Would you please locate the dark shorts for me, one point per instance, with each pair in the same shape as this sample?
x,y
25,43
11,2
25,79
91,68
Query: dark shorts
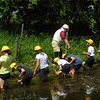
x,y
77,67
5,76
26,80
43,73
66,68
90,61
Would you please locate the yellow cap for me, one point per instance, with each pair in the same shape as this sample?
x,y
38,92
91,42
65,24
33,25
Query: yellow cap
x,y
37,48
63,55
5,48
56,59
12,65
90,41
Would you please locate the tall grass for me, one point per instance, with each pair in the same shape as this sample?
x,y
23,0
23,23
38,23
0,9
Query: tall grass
x,y
27,43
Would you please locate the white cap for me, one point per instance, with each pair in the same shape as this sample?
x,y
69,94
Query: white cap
x,y
65,26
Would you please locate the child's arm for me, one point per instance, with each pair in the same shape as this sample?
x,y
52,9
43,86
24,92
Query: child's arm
x,y
72,60
48,62
86,53
36,67
21,73
0,64
59,71
60,68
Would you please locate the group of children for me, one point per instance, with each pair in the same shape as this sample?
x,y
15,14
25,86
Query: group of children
x,y
67,60
25,72
42,65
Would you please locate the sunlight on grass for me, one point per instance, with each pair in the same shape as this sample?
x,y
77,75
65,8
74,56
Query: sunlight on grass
x,y
27,43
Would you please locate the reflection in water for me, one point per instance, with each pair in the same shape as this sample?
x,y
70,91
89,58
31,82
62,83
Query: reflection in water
x,y
54,93
58,91
82,88
88,97
43,92
43,98
89,89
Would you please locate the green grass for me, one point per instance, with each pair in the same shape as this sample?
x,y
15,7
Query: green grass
x,y
26,44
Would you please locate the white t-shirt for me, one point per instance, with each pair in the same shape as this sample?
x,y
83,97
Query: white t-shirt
x,y
62,62
91,50
43,60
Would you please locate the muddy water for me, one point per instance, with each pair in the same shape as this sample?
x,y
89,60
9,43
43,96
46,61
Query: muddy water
x,y
86,86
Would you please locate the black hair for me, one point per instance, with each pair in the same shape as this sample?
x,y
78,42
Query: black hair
x,y
8,52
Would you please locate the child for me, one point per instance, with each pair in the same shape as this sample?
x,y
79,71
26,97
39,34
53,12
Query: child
x,y
25,71
5,61
42,65
64,66
73,59
90,60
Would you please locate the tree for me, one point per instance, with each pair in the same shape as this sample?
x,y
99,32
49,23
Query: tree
x,y
47,15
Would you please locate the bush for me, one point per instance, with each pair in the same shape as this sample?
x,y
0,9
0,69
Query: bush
x,y
26,44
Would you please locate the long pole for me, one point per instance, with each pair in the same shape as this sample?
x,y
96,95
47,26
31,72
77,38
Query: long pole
x,y
16,49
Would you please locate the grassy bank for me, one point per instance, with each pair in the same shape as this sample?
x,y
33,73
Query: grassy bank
x,y
26,54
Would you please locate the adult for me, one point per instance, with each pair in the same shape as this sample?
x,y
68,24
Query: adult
x,y
5,61
42,65
59,35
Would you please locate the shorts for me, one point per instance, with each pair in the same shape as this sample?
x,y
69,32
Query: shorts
x,y
43,73
77,67
26,80
5,76
66,68
90,61
56,46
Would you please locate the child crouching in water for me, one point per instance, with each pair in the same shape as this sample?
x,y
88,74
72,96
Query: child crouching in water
x,y
25,71
74,60
64,67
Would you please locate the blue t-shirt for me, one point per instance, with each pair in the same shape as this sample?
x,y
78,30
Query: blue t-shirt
x,y
77,61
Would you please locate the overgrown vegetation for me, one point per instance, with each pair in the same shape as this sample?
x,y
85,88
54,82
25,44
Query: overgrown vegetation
x,y
26,44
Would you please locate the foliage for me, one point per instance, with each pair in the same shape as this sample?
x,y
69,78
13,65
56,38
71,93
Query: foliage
x,y
26,44
46,15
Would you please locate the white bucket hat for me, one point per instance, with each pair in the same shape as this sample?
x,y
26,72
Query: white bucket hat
x,y
65,26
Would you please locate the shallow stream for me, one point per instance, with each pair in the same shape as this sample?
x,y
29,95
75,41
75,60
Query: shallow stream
x,y
86,86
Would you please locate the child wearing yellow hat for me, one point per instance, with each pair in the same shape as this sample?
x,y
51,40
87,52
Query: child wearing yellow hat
x,y
64,66
91,52
42,64
25,71
74,60
5,61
